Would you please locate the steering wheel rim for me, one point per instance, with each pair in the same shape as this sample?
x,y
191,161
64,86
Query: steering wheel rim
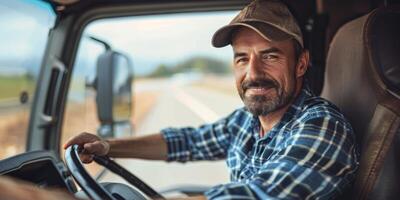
x,y
95,190
82,177
128,176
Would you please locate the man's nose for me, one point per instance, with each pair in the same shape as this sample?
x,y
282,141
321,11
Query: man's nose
x,y
254,69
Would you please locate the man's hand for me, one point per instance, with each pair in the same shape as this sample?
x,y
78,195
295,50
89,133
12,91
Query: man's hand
x,y
12,189
91,144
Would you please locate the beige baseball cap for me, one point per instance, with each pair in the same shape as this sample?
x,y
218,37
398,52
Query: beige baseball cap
x,y
269,18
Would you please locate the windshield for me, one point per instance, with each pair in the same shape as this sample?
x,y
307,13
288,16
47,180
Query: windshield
x,y
23,36
179,80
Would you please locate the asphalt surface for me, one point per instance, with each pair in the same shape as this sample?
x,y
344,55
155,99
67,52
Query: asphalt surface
x,y
180,104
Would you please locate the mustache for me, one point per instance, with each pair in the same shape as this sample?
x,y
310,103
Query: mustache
x,y
264,83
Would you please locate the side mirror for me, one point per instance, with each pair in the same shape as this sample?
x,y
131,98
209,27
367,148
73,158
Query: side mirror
x,y
114,94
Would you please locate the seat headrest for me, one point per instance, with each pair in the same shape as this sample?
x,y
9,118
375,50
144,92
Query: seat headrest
x,y
363,67
383,43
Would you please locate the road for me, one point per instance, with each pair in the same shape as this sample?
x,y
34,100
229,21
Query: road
x,y
180,104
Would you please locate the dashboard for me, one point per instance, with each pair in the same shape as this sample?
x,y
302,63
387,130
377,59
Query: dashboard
x,y
41,168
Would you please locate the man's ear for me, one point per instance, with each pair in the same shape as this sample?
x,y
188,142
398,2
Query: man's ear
x,y
302,63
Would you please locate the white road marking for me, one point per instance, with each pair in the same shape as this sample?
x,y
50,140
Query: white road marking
x,y
200,109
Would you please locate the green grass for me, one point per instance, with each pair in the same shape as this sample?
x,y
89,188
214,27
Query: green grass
x,y
11,87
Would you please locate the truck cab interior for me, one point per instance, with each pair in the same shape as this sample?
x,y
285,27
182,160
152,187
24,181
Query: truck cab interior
x,y
355,63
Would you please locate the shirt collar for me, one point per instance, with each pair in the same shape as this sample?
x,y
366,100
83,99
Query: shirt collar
x,y
293,110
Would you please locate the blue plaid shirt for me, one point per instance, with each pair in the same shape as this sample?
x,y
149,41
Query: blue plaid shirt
x,y
309,154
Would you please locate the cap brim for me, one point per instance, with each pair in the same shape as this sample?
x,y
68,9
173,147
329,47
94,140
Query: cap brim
x,y
223,36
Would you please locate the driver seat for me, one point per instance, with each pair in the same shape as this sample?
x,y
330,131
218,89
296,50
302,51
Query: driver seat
x,y
363,79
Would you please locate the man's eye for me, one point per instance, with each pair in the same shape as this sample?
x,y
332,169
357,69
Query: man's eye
x,y
241,60
270,57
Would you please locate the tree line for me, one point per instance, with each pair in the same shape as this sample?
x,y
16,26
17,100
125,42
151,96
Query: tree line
x,y
199,64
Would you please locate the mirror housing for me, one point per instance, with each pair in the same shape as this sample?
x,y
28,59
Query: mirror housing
x,y
114,93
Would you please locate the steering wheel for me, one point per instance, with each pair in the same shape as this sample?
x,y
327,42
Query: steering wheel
x,y
106,191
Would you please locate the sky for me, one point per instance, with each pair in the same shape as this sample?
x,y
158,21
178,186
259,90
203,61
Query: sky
x,y
23,36
167,39
148,40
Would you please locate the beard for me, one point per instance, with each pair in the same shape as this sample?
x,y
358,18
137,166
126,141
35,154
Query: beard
x,y
264,104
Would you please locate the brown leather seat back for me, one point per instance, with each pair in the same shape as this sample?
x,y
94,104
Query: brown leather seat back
x,y
363,79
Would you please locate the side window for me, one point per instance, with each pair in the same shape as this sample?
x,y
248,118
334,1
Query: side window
x,y
23,36
179,80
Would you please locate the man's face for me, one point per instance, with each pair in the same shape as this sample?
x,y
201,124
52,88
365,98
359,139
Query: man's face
x,y
265,71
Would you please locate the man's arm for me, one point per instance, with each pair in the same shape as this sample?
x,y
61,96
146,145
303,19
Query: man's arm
x,y
208,142
152,147
13,189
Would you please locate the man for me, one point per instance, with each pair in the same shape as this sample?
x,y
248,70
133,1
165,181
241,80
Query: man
x,y
285,144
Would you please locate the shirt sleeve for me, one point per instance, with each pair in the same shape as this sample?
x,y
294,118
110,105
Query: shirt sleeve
x,y
208,142
317,160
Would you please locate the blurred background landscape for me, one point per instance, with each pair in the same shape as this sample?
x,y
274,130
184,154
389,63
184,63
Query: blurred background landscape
x,y
179,80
